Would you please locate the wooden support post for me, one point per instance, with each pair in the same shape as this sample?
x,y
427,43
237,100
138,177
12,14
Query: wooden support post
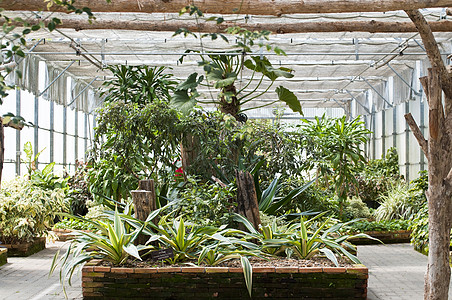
x,y
144,200
247,204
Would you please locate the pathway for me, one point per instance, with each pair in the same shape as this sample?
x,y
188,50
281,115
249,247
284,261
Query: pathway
x,y
27,278
395,272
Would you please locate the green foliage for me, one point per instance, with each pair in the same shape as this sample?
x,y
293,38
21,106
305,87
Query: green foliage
x,y
28,211
205,203
376,177
223,70
271,204
355,208
132,143
314,198
79,193
419,221
333,146
78,224
384,225
138,84
399,203
306,239
419,227
112,241
222,145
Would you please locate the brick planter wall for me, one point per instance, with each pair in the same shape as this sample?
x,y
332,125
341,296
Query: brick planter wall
x,y
223,283
26,249
3,256
387,237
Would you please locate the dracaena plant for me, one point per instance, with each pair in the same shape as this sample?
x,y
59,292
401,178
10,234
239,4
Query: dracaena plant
x,y
112,240
308,238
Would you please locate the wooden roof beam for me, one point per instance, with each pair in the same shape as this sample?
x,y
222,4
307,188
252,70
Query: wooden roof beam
x,y
299,27
253,7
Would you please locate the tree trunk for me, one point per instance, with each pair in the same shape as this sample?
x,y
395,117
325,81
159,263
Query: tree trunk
x,y
253,7
247,204
188,150
2,149
144,203
438,194
439,156
299,27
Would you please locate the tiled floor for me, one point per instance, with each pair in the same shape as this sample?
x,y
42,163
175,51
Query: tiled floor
x,y
395,272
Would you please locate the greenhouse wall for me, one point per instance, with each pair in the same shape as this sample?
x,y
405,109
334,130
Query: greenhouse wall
x,y
400,95
61,133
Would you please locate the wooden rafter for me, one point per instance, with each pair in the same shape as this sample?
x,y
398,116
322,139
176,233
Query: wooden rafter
x,y
299,27
255,7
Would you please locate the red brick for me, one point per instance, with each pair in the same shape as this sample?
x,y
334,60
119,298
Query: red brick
x,y
310,270
87,279
193,270
169,270
145,270
286,269
122,270
235,270
92,294
101,269
217,269
93,274
264,270
87,269
92,284
334,270
358,269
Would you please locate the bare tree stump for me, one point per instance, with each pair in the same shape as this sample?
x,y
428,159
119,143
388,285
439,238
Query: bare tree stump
x,y
247,204
144,200
188,150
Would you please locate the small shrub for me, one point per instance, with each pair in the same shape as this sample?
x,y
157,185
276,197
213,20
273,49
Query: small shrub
x,y
355,208
399,203
28,211
205,203
390,225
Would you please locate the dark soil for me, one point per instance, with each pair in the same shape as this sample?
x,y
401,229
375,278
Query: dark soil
x,y
255,262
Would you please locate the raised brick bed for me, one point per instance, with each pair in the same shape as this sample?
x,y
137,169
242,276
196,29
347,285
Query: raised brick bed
x,y
3,256
387,237
63,234
26,249
101,282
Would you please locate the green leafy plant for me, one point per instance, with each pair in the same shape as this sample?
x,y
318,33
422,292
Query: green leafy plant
x,y
376,177
355,208
185,240
28,211
269,203
384,225
112,241
138,84
398,203
70,223
133,143
205,203
79,190
306,239
334,147
223,69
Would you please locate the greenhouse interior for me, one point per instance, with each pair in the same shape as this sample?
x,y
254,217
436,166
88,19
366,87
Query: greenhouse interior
x,y
243,135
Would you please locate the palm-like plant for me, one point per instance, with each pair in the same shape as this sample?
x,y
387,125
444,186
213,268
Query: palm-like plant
x,y
305,239
113,241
